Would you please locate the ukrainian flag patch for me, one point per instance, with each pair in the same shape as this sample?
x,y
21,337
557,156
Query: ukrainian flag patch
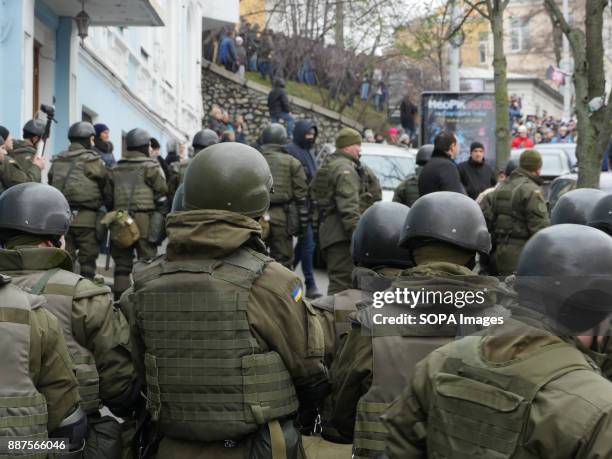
x,y
297,294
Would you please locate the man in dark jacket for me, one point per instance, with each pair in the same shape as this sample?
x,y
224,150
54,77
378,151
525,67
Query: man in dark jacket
x,y
278,105
476,175
440,173
103,146
304,138
227,52
408,112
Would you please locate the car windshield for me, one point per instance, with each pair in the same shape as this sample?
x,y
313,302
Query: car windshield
x,y
390,170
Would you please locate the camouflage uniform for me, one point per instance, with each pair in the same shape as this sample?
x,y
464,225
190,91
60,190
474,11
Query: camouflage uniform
x,y
18,167
82,177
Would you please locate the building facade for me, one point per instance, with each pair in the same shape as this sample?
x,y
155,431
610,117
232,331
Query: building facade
x,y
140,65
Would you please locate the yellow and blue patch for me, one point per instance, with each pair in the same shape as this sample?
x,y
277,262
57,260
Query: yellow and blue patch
x,y
297,294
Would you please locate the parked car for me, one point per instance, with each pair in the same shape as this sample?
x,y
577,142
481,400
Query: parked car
x,y
391,165
565,183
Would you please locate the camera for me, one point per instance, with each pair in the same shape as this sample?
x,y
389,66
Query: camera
x,y
48,110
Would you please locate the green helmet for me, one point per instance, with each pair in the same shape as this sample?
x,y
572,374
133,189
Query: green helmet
x,y
34,208
178,204
203,139
377,234
424,154
274,133
137,138
229,176
575,206
564,270
448,217
600,216
81,130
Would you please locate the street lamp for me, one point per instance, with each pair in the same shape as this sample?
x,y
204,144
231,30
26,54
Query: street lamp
x,y
82,21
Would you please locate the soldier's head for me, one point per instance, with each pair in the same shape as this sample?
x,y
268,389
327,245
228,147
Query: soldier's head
x,y
575,206
274,134
33,131
229,176
348,141
600,216
445,226
204,139
531,161
82,133
446,143
138,140
564,273
375,240
172,147
33,214
155,147
8,139
424,154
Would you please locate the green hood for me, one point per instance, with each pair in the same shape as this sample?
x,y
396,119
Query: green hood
x,y
210,234
34,259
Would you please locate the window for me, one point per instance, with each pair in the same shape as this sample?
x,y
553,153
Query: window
x,y
483,47
519,34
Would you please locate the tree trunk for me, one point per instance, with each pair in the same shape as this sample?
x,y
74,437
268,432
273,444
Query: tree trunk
x,y
339,23
502,134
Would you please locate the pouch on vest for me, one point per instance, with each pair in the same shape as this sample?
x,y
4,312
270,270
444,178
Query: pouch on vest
x,y
264,222
123,229
103,438
293,219
157,228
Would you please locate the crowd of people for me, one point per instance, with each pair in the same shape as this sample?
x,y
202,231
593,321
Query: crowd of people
x,y
531,130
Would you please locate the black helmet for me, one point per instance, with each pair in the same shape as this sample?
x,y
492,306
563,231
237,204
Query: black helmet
x,y
424,154
229,176
34,208
137,138
81,130
34,128
448,217
274,133
377,234
565,269
600,216
510,166
575,206
178,203
204,138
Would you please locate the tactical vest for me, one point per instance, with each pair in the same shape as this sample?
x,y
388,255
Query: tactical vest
x,y
477,410
180,169
510,222
394,359
207,378
131,190
70,177
280,167
23,410
58,287
322,186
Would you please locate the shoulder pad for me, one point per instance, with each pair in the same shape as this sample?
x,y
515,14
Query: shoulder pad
x,y
325,302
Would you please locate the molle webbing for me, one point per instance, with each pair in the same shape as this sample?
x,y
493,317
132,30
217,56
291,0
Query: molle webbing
x,y
207,378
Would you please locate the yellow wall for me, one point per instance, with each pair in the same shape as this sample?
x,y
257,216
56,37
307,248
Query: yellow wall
x,y
470,50
254,11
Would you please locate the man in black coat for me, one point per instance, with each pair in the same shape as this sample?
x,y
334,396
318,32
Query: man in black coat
x,y
304,137
441,173
476,175
278,105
